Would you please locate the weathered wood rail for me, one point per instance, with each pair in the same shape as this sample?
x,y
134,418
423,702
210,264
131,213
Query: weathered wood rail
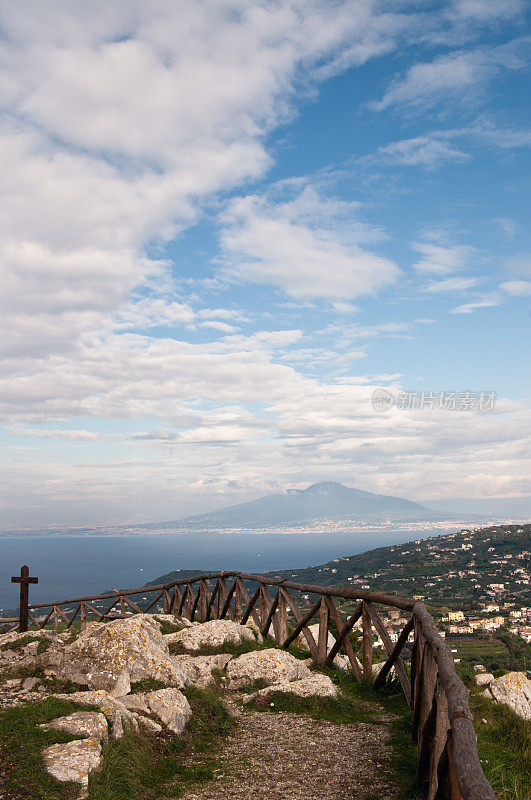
x,y
447,759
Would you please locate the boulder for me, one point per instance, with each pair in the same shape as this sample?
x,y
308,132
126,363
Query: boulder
x,y
179,622
169,705
80,723
315,686
514,690
29,684
269,666
483,678
74,761
115,711
215,633
110,655
198,669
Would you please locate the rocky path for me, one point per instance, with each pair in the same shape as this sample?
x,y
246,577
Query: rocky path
x,y
293,757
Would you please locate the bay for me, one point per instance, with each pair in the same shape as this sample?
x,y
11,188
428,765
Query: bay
x,y
73,566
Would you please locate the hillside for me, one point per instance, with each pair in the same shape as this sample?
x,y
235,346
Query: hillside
x,y
320,501
453,570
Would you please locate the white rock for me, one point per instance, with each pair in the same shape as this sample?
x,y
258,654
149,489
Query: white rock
x,y
104,652
514,690
122,685
31,649
271,666
215,633
118,715
80,723
479,668
483,678
29,684
169,705
198,669
180,622
73,761
315,686
148,723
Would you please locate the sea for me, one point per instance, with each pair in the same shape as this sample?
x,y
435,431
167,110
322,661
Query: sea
x,y
75,566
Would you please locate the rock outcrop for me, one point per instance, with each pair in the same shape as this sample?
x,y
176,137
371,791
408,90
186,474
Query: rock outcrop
x,y
315,686
80,723
114,710
199,669
169,705
270,666
74,761
484,678
111,655
215,633
514,690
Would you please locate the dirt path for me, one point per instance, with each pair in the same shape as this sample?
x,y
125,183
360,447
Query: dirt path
x,y
293,757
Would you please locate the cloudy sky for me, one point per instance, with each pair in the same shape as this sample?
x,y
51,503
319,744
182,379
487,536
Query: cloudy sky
x,y
225,223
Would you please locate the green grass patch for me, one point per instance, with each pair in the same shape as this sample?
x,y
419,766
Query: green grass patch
x,y
142,767
50,683
147,685
169,627
21,746
18,644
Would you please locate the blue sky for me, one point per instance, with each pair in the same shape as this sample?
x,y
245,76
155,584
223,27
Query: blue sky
x,y
226,224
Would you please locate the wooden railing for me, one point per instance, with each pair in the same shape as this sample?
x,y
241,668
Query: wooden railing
x,y
447,759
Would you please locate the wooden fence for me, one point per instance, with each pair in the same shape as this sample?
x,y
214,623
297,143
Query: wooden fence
x,y
447,759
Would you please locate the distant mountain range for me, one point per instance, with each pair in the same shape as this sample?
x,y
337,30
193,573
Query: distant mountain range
x,y
317,503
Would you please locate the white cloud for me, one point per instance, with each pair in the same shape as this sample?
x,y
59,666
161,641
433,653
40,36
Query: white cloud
x,y
298,247
429,151
486,301
451,285
457,76
485,10
443,260
58,433
517,288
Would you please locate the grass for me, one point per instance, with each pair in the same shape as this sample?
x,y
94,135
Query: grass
x,y
18,644
504,746
147,685
141,767
169,627
21,744
51,683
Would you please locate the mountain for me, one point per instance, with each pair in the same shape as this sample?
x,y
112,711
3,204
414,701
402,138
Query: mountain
x,y
319,502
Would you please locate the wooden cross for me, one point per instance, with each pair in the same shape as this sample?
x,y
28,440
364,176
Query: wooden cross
x,y
24,581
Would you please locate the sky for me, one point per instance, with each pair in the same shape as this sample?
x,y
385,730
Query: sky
x,y
226,225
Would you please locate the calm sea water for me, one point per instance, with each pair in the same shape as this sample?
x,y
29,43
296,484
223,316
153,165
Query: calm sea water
x,y
72,566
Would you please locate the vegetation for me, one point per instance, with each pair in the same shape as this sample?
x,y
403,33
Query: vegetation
x,y
147,685
407,568
21,745
18,644
498,653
